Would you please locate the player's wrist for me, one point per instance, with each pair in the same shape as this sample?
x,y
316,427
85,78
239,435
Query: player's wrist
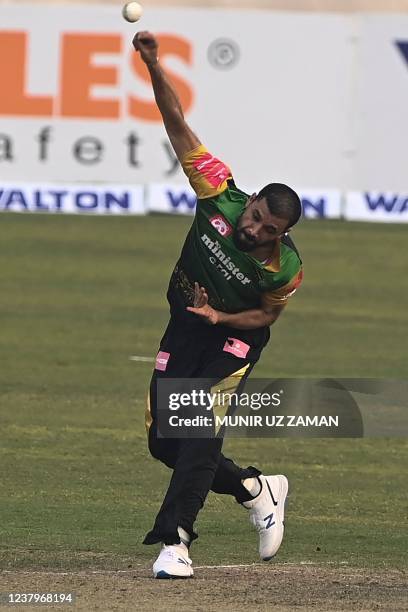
x,y
152,63
219,317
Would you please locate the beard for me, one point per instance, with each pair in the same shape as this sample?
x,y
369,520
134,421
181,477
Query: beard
x,y
242,241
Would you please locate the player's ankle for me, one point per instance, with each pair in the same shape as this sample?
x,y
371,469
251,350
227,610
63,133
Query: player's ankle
x,y
253,486
184,536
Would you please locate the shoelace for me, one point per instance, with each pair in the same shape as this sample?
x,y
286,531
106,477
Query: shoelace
x,y
170,552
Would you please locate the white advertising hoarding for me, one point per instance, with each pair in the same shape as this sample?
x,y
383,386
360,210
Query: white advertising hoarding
x,y
321,204
388,207
379,159
74,198
312,99
180,199
78,105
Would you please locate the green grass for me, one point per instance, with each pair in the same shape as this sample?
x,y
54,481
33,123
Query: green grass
x,y
77,486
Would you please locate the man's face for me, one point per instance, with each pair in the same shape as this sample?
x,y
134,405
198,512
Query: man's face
x,y
257,226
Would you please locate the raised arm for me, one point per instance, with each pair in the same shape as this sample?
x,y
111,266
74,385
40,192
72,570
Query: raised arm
x,y
180,135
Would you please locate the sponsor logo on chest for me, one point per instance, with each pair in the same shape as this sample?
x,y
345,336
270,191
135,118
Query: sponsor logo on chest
x,y
223,262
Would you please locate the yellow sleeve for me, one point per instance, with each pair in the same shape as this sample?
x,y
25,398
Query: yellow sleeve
x,y
279,297
208,175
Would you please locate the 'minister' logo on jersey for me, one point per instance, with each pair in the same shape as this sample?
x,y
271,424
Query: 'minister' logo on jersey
x,y
221,225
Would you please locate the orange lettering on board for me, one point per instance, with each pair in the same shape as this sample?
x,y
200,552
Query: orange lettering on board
x,y
168,45
13,66
79,75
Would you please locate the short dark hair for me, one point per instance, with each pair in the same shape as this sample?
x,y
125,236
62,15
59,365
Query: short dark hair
x,y
282,201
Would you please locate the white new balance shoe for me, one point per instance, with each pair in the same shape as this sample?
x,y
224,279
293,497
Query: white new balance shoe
x,y
267,512
173,562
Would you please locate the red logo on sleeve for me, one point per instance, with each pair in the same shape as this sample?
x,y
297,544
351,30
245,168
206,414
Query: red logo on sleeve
x,y
214,170
221,225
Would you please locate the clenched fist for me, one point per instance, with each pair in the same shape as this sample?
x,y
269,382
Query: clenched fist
x,y
147,45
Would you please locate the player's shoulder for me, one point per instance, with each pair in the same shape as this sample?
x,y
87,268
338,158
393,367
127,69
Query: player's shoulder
x,y
290,259
290,264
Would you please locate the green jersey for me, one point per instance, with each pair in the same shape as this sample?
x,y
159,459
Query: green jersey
x,y
234,280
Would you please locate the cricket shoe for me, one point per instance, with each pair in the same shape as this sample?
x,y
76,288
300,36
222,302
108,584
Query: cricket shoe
x,y
173,562
266,513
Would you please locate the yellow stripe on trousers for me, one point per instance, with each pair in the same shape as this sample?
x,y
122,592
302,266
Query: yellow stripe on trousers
x,y
148,414
226,386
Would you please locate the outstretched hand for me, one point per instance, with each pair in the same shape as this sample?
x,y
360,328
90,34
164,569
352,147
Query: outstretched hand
x,y
146,43
201,306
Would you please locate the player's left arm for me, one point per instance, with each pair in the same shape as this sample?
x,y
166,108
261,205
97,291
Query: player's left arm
x,y
247,319
251,319
272,305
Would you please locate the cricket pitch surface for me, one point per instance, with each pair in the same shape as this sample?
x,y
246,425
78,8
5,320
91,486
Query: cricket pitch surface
x,y
278,587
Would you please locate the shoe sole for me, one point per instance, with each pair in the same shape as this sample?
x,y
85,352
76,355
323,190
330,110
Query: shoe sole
x,y
283,492
162,575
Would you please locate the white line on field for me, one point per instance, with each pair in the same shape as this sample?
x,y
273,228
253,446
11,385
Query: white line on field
x,y
249,565
227,566
129,571
141,358
78,573
280,566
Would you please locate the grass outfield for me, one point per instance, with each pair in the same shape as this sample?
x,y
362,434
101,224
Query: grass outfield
x,y
79,295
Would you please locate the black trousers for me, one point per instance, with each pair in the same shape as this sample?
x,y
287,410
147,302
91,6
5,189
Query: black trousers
x,y
191,349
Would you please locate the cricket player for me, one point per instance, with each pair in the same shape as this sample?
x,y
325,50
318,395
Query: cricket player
x,y
236,271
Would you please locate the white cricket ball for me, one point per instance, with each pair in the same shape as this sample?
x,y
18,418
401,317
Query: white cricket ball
x,y
132,11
